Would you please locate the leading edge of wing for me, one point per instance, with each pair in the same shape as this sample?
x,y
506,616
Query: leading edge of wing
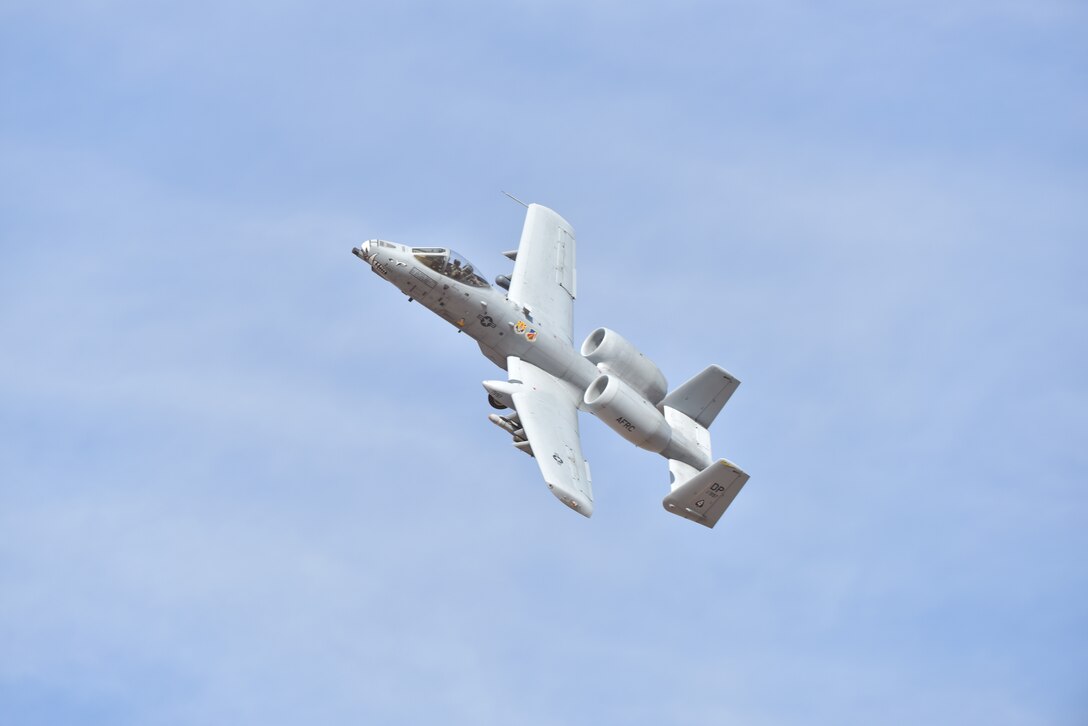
x,y
548,412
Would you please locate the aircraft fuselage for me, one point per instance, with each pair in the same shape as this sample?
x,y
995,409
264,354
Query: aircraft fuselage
x,y
478,309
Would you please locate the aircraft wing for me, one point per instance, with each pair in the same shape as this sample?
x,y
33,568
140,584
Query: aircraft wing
x,y
544,276
548,410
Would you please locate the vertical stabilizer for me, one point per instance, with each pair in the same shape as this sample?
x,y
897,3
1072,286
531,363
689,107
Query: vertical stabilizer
x,y
705,497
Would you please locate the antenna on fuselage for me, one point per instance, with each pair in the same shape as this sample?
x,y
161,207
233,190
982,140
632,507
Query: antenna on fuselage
x,y
516,199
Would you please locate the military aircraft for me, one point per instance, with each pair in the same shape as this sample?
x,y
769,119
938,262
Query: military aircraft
x,y
524,325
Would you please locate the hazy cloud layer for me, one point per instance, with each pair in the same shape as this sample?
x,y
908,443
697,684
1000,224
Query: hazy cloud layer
x,y
241,480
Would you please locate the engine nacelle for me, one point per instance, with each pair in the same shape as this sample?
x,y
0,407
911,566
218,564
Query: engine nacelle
x,y
627,413
613,354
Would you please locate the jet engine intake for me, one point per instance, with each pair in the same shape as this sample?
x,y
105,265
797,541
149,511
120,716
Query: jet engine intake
x,y
627,413
613,354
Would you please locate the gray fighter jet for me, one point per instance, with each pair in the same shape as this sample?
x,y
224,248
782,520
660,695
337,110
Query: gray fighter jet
x,y
524,325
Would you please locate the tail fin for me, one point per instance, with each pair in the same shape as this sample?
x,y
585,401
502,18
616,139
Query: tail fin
x,y
704,497
701,495
702,398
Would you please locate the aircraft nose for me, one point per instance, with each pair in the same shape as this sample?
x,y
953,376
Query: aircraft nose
x,y
363,251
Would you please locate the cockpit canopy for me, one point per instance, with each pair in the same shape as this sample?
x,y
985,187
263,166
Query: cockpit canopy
x,y
450,264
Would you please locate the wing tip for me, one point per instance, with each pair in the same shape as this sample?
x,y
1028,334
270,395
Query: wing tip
x,y
573,500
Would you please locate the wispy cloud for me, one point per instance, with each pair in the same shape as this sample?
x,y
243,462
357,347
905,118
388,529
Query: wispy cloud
x,y
241,479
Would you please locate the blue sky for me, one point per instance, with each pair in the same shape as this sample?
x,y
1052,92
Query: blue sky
x,y
242,481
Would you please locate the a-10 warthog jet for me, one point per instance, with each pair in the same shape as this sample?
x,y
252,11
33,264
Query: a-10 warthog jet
x,y
524,326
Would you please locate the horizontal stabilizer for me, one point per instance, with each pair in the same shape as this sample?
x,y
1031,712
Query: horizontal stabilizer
x,y
703,397
706,496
